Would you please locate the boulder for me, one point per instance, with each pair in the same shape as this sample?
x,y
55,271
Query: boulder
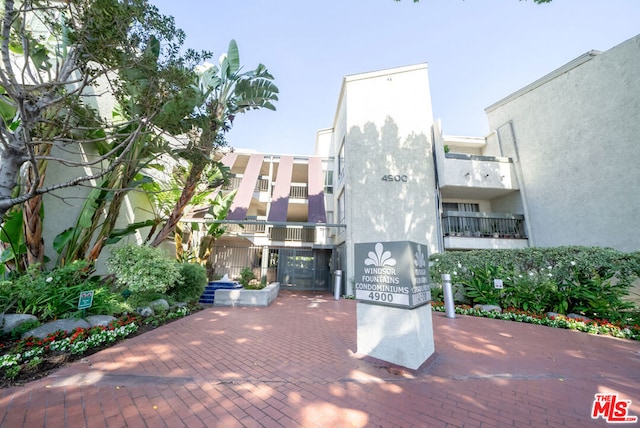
x,y
53,326
160,304
579,317
9,322
103,320
145,311
488,308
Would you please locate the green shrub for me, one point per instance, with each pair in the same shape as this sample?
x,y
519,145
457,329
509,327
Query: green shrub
x,y
17,332
437,294
141,268
144,298
246,275
531,293
587,280
194,280
479,285
55,294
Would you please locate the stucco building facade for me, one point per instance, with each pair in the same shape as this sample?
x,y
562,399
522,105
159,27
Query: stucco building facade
x,y
557,168
573,136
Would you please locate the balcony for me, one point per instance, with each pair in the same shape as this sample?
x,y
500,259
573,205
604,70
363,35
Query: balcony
x,y
267,234
299,192
262,185
468,176
298,234
464,230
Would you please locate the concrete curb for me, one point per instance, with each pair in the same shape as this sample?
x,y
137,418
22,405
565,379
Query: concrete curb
x,y
242,297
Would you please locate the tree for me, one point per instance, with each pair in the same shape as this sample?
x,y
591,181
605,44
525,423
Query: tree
x,y
535,1
57,59
225,92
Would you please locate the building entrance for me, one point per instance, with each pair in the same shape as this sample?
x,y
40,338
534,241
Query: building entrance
x,y
304,269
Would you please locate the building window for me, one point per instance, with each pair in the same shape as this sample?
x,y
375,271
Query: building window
x,y
341,161
455,206
341,208
328,182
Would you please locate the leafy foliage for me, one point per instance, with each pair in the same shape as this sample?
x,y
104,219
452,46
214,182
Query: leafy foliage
x,y
586,280
246,276
535,1
194,280
223,91
142,268
55,294
479,286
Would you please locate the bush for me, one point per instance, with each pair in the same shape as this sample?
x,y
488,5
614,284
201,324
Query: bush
x,y
584,280
55,294
246,275
194,280
17,332
140,268
144,298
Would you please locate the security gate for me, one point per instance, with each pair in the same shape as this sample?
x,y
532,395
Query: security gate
x,y
304,269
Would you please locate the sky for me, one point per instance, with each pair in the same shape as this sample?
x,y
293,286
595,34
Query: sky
x,y
477,51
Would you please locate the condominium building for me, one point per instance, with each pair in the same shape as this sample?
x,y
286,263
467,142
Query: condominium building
x,y
559,167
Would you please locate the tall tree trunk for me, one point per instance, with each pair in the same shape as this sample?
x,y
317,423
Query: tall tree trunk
x,y
178,211
13,157
107,227
32,225
32,221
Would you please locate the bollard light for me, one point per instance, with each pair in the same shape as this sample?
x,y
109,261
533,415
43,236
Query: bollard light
x,y
449,308
337,284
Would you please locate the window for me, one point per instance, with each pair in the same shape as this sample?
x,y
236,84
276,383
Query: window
x,y
341,161
341,208
458,223
455,206
328,182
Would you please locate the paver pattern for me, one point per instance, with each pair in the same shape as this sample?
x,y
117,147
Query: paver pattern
x,y
294,364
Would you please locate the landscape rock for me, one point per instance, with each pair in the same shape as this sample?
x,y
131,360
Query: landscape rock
x,y
10,322
161,304
579,317
103,320
53,326
488,308
145,311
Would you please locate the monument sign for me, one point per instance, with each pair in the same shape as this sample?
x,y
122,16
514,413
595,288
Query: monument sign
x,y
392,274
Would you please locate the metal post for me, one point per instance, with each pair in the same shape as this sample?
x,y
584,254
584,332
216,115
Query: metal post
x,y
264,267
448,296
337,283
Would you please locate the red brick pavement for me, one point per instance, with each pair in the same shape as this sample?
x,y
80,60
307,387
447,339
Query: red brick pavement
x,y
294,365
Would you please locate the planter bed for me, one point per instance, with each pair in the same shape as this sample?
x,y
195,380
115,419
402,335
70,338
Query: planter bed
x,y
242,297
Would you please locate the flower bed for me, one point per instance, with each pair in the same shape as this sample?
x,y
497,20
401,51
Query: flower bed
x,y
32,358
595,326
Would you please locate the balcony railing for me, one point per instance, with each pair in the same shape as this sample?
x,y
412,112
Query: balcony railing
x,y
299,192
262,185
483,225
246,228
300,234
276,233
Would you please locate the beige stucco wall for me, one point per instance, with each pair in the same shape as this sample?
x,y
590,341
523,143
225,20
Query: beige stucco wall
x,y
574,138
63,206
385,118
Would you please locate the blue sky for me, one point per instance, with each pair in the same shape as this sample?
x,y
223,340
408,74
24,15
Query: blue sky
x,y
478,51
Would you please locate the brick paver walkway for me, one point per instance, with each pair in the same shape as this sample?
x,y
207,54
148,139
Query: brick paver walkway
x,y
294,365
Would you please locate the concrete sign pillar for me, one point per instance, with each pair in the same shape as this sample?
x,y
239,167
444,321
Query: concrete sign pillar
x,y
394,311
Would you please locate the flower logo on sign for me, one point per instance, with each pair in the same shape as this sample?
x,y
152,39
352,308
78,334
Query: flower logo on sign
x,y
380,257
419,260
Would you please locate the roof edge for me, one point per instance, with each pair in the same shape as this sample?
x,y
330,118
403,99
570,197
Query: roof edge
x,y
545,79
